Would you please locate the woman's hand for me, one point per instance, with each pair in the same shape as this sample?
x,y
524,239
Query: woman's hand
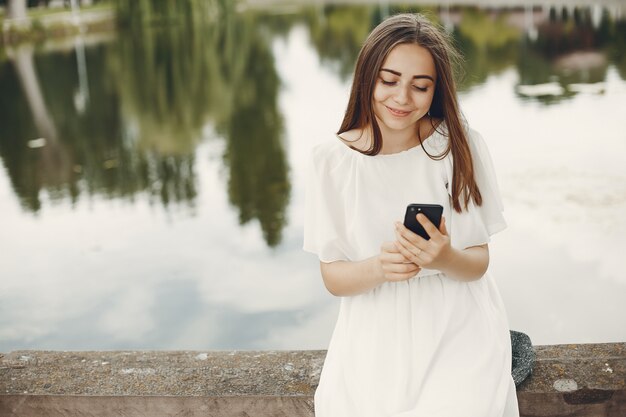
x,y
436,253
394,266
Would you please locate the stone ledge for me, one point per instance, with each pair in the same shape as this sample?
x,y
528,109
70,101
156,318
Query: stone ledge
x,y
180,373
154,406
567,380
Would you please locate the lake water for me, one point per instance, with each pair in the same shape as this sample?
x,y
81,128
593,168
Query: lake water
x,y
152,180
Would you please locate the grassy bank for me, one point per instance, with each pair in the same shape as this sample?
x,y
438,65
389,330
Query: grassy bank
x,y
44,23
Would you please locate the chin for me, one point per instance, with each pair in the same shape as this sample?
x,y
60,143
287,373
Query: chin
x,y
398,124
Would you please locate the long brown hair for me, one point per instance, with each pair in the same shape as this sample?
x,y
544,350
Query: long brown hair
x,y
417,29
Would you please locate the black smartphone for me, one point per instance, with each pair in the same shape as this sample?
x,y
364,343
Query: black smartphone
x,y
432,211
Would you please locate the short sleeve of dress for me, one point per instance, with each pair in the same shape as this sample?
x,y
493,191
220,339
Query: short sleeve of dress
x,y
475,225
324,221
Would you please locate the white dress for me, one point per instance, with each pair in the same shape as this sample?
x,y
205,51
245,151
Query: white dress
x,y
430,346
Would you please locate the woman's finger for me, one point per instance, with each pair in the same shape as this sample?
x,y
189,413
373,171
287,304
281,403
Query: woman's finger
x,y
387,247
430,228
400,277
414,238
413,248
402,268
409,254
395,257
442,227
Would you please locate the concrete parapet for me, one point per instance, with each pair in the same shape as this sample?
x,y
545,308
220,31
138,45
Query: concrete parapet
x,y
576,380
567,380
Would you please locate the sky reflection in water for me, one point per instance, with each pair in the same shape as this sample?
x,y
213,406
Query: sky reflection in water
x,y
165,210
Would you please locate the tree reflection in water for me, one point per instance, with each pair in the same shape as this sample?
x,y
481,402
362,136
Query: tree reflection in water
x,y
178,67
174,69
537,41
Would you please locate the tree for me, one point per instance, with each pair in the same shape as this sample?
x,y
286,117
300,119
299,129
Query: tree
x,y
16,9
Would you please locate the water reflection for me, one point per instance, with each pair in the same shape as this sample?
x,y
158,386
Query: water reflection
x,y
177,69
212,109
569,53
558,51
337,33
214,66
152,92
258,183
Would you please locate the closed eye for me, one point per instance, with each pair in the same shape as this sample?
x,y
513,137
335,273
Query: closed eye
x,y
390,83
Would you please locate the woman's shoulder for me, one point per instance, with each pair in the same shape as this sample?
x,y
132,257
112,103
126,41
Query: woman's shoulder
x,y
355,139
437,141
330,152
473,136
440,142
477,144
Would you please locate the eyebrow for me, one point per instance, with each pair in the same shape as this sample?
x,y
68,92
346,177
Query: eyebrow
x,y
414,77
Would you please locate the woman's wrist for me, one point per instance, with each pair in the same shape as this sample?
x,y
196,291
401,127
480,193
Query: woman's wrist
x,y
449,264
468,264
377,271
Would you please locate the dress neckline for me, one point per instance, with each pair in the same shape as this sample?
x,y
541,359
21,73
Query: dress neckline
x,y
387,155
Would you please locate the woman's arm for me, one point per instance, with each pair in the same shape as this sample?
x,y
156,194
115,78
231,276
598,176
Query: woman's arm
x,y
468,264
345,278
436,253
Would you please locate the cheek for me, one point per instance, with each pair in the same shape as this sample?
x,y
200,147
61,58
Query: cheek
x,y
425,100
379,94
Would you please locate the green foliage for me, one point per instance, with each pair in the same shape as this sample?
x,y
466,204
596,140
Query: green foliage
x,y
568,37
258,183
489,45
139,14
486,31
337,33
150,94
178,68
617,47
220,70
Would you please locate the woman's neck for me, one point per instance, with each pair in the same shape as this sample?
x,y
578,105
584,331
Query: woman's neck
x,y
393,141
400,140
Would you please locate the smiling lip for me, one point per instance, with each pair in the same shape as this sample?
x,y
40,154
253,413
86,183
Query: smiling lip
x,y
398,113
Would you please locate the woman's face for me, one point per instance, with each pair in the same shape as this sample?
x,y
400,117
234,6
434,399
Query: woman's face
x,y
405,87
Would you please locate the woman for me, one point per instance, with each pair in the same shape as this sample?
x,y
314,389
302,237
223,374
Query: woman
x,y
422,330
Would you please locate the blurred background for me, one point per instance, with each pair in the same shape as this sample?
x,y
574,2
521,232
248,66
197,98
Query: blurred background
x,y
153,156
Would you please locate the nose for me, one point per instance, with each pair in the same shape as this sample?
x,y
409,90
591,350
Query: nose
x,y
401,96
